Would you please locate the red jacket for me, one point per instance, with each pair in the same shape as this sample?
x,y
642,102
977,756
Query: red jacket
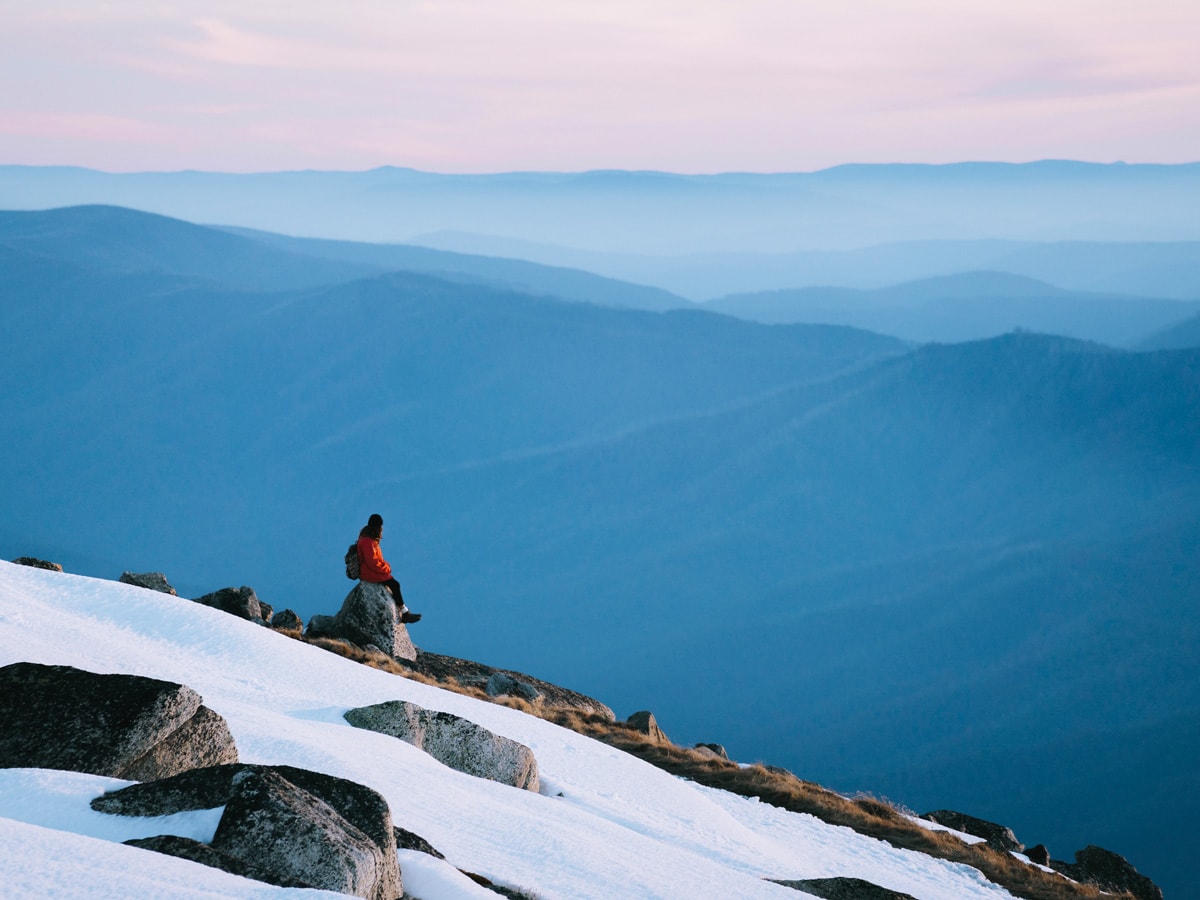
x,y
371,564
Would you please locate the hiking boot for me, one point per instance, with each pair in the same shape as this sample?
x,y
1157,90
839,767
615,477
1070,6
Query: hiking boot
x,y
409,617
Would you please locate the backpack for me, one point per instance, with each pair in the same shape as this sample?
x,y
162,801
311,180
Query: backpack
x,y
352,569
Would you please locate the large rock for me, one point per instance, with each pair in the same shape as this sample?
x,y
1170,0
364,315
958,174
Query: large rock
x,y
1110,872
998,837
280,824
241,602
152,581
452,741
124,726
368,616
305,839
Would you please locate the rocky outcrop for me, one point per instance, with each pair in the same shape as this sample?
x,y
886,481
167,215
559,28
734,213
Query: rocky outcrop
x,y
716,750
1108,871
645,722
241,602
501,684
287,620
845,889
152,581
998,837
282,825
368,616
470,673
452,741
36,563
124,726
1038,854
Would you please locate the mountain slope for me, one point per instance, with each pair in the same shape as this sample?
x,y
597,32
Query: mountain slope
x,y
605,824
116,240
982,552
511,274
1179,336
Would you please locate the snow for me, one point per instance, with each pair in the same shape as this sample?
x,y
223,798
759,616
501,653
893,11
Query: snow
x,y
605,824
59,800
937,826
47,863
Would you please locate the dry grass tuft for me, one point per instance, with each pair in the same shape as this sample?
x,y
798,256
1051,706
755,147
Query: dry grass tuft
x,y
372,658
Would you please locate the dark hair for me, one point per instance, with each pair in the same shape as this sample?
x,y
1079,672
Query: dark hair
x,y
374,527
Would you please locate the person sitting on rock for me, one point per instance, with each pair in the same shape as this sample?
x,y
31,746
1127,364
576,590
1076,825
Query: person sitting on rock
x,y
374,568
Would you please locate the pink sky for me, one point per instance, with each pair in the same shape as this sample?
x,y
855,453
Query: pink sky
x,y
680,85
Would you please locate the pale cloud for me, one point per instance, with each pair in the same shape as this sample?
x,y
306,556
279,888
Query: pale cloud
x,y
699,86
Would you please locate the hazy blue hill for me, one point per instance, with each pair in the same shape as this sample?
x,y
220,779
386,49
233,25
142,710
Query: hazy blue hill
x,y
513,274
1180,336
967,306
159,384
1168,270
112,239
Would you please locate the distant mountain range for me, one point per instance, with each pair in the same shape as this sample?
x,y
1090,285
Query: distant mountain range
x,y
965,307
657,213
1170,270
881,566
114,239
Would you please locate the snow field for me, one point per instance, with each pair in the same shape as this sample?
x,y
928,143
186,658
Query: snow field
x,y
621,828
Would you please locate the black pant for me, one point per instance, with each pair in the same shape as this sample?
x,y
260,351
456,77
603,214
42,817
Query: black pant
x,y
394,586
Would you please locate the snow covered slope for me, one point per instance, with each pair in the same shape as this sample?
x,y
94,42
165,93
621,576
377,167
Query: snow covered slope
x,y
605,824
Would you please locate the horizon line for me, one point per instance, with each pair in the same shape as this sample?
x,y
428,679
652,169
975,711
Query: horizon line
x,y
568,173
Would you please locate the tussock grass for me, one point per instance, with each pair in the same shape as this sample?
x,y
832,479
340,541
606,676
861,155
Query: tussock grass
x,y
864,814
